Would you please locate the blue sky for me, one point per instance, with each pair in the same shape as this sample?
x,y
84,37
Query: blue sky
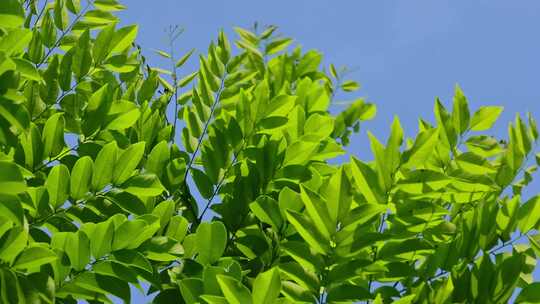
x,y
405,53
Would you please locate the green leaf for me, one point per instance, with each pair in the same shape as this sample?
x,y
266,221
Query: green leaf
x,y
317,125
11,179
268,32
77,248
303,277
366,181
123,120
117,270
300,152
348,293
34,256
11,211
72,290
267,210
204,184
74,6
484,146
267,286
65,77
209,277
143,185
191,289
392,153
15,114
422,148
133,259
11,14
485,117
82,58
444,293
61,16
338,195
128,162
98,18
460,111
295,292
350,86
53,135
187,79
104,284
109,5
382,164
529,294
246,35
127,202
57,185
13,243
81,177
206,76
123,38
104,166
102,45
163,54
164,211
302,253
128,235
158,158
27,69
7,64
177,228
529,215
101,238
416,181
347,271
15,41
184,58
333,71
533,128
250,49
211,241
214,299
277,45
162,249
193,122
233,290
307,230
405,249
362,214
318,212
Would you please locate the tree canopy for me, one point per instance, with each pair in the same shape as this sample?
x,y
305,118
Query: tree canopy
x,y
238,197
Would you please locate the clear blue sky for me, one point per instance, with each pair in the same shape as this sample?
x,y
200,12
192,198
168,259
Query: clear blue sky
x,y
406,52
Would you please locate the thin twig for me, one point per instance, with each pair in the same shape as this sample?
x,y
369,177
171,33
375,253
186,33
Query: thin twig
x,y
504,244
40,12
48,107
64,33
59,156
206,124
218,187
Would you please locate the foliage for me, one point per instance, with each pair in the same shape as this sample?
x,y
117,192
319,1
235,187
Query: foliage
x,y
97,197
